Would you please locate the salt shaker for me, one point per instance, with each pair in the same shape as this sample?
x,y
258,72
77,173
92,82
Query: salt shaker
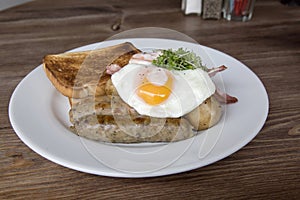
x,y
191,6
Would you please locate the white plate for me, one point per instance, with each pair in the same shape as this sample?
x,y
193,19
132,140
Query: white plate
x,y
39,116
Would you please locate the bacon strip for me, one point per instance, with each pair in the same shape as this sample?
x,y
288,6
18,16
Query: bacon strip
x,y
140,61
111,69
222,97
142,56
214,71
147,56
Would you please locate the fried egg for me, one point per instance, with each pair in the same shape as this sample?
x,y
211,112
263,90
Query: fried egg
x,y
162,93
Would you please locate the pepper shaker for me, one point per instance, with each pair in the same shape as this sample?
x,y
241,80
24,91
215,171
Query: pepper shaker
x,y
212,9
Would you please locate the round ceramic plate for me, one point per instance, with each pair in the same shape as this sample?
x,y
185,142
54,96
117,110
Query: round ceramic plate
x,y
39,116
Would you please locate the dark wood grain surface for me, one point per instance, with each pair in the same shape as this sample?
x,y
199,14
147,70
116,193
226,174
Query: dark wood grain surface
x,y
267,168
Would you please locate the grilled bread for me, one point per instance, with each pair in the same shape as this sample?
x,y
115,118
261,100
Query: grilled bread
x,y
80,74
110,119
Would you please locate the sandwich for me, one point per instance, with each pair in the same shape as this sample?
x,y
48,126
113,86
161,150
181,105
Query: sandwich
x,y
119,94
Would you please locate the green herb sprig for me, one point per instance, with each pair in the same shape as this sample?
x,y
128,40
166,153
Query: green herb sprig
x,y
179,59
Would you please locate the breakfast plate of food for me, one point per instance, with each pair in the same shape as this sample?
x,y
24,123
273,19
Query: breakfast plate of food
x,y
138,107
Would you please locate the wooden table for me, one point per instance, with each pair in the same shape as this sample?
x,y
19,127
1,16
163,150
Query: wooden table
x,y
269,44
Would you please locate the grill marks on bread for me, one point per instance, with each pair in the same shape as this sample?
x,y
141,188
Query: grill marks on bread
x,y
80,74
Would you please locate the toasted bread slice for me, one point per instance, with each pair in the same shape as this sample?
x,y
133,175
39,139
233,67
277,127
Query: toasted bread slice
x,y
81,74
110,119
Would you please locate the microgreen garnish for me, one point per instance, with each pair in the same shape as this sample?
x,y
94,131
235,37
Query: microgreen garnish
x,y
179,59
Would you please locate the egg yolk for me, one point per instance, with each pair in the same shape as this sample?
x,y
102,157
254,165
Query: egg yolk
x,y
154,93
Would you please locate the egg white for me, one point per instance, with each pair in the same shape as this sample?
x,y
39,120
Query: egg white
x,y
190,89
